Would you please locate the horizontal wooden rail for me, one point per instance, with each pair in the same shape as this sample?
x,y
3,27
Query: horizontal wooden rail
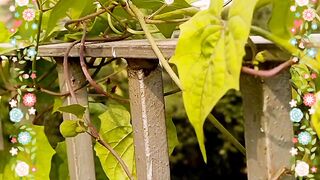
x,y
133,49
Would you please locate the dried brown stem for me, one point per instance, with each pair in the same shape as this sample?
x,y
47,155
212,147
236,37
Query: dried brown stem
x,y
66,70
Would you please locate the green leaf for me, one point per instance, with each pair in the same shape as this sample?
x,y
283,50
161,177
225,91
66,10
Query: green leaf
x,y
59,163
281,19
171,135
212,64
5,34
75,109
117,131
315,119
71,128
51,128
57,104
61,9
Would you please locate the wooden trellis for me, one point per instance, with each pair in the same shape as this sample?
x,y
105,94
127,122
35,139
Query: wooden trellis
x,y
268,129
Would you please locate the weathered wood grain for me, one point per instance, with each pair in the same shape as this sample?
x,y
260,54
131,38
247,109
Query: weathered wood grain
x,y
148,119
79,149
134,49
268,129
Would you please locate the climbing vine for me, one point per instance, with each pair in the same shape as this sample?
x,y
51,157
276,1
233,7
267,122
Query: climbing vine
x,y
211,45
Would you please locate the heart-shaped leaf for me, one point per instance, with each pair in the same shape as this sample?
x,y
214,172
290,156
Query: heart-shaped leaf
x,y
212,64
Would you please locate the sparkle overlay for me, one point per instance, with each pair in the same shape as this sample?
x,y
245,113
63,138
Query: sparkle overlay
x,y
24,19
304,97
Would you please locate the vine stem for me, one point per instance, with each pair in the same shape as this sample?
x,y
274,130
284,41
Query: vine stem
x,y
185,11
86,73
66,71
152,21
153,44
95,134
157,11
288,47
90,16
225,132
267,73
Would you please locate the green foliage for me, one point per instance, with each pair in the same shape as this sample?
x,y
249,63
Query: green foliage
x,y
281,19
51,128
212,64
59,163
75,109
171,135
117,131
4,33
71,128
68,7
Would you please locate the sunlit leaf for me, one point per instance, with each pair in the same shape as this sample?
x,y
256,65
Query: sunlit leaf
x,y
117,131
4,33
211,66
75,109
71,128
62,7
281,19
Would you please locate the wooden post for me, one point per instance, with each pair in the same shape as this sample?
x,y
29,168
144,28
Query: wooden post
x,y
148,119
268,129
79,148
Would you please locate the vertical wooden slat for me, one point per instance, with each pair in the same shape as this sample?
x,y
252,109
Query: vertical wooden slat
x,y
148,119
1,137
268,129
79,148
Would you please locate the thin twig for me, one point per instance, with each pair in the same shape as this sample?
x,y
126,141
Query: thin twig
x,y
48,72
54,93
172,92
84,18
155,21
226,133
267,73
110,75
157,11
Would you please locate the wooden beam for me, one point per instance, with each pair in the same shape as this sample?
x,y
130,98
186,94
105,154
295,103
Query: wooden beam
x,y
79,149
268,129
148,119
133,49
